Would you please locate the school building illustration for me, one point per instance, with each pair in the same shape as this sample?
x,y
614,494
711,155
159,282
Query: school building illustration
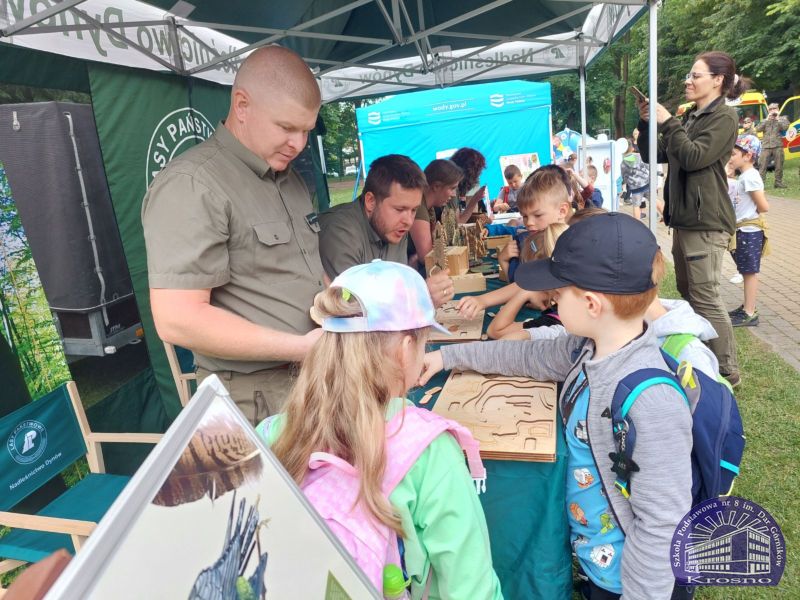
x,y
745,551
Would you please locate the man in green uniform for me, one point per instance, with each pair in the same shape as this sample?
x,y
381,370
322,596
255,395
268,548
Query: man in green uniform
x,y
772,144
232,249
377,224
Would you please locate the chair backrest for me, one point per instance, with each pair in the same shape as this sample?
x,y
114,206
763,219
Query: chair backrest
x,y
181,377
41,439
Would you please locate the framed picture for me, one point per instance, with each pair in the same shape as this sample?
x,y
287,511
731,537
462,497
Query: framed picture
x,y
212,514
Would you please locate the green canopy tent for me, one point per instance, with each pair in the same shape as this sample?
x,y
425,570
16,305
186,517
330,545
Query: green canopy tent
x,y
153,70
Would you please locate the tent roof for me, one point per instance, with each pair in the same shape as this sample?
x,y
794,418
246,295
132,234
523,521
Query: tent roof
x,y
357,48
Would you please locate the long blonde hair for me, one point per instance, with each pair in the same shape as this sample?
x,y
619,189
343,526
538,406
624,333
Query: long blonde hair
x,y
545,241
338,404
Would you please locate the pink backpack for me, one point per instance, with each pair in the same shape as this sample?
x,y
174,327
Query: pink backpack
x,y
332,486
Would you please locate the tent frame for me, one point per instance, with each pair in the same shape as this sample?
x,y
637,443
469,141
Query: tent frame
x,y
395,16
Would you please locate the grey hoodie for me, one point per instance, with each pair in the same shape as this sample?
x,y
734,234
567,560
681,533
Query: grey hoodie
x,y
661,489
680,318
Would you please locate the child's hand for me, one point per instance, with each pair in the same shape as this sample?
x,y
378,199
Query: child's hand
x,y
470,306
501,207
509,251
431,364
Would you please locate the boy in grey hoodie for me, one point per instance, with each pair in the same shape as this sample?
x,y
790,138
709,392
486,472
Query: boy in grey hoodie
x,y
604,272
680,332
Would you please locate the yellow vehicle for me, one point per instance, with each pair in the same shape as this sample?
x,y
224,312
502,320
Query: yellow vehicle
x,y
791,137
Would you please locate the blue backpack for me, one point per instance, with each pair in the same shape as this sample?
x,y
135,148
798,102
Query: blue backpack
x,y
717,432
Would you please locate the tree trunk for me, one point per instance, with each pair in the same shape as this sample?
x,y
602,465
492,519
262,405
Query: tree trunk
x,y
620,99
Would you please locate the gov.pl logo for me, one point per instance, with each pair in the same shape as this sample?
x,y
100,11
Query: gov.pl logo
x,y
27,442
728,541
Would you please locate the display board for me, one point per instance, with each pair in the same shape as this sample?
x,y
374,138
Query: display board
x,y
513,418
211,514
607,158
508,122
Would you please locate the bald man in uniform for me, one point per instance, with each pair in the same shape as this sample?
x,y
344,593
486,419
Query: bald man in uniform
x,y
231,234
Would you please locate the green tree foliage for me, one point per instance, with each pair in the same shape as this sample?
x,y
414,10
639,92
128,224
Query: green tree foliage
x,y
341,137
763,36
25,318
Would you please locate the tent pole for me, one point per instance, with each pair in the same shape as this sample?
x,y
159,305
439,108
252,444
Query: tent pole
x,y
652,130
582,74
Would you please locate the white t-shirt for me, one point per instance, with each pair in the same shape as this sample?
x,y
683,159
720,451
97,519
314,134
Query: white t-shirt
x,y
749,181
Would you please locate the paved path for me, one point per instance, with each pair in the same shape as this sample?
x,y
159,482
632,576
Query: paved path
x,y
779,292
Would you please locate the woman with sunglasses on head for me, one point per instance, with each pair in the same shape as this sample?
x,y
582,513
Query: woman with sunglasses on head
x,y
697,147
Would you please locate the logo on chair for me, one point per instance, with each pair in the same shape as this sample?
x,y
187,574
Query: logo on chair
x,y
27,442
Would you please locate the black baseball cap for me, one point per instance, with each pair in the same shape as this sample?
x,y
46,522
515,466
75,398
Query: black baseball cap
x,y
611,253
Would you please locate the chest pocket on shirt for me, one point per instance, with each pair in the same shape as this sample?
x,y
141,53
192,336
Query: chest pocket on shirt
x,y
273,255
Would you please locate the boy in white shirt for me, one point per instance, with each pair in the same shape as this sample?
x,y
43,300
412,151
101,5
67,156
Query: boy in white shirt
x,y
750,203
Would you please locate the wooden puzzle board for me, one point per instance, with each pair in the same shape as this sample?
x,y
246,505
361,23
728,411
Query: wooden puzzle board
x,y
513,418
462,330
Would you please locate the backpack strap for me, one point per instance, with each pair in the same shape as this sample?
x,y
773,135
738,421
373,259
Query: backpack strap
x,y
623,427
419,428
675,343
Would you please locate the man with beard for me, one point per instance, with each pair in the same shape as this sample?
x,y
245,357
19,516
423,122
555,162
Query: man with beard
x,y
377,224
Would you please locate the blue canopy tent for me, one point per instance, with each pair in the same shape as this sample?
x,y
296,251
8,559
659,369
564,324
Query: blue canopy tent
x,y
501,119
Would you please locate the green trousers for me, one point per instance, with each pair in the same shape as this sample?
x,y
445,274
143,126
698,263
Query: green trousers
x,y
698,259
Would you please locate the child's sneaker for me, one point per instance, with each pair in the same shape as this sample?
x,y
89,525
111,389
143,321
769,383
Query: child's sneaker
x,y
744,320
738,278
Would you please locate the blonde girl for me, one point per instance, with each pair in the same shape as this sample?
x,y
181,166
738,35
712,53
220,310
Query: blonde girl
x,y
376,319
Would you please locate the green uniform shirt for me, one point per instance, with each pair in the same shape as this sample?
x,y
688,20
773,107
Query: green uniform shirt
x,y
425,214
443,520
347,239
218,217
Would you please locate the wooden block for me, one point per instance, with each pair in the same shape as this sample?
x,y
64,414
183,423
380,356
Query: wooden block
x,y
496,242
457,260
513,418
469,282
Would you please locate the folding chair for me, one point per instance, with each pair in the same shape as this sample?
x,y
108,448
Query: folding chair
x,y
41,440
182,376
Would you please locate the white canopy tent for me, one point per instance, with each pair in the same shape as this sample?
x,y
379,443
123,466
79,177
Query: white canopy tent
x,y
359,48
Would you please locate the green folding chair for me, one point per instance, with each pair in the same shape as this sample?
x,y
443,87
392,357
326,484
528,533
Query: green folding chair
x,y
40,440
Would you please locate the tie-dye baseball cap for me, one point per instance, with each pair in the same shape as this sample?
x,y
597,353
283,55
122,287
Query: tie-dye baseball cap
x,y
749,143
393,297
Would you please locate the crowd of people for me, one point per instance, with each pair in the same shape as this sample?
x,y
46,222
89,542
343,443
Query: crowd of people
x,y
317,324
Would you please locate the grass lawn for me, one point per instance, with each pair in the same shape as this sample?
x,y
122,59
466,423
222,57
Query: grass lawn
x,y
767,399
791,177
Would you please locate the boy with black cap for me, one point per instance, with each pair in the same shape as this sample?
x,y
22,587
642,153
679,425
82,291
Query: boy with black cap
x,y
604,272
